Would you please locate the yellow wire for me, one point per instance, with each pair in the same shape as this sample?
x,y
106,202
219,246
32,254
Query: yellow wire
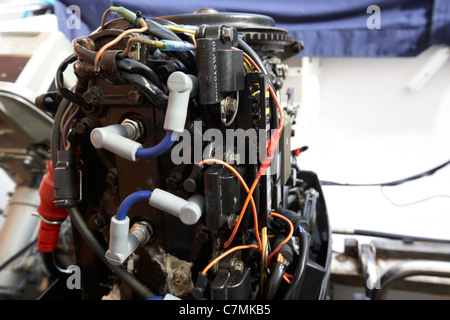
x,y
247,65
63,119
179,29
263,257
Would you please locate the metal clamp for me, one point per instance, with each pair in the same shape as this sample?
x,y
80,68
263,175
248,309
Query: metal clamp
x,y
52,222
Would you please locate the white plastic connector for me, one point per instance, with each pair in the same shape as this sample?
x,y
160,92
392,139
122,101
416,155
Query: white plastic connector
x,y
181,88
123,242
188,211
115,138
118,241
169,296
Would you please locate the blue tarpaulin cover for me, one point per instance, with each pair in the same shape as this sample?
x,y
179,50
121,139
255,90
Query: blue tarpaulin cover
x,y
344,28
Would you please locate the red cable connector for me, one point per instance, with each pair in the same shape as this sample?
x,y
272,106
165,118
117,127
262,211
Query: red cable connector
x,y
271,148
51,217
298,151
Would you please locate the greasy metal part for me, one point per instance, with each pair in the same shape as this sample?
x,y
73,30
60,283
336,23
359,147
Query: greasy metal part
x,y
365,261
228,106
231,285
41,217
408,269
369,267
309,211
18,231
25,136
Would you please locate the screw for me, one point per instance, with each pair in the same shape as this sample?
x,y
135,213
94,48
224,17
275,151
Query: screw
x,y
93,96
111,177
134,96
84,126
227,34
239,266
229,104
232,220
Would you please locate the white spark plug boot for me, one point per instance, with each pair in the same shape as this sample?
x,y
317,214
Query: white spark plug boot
x,y
181,88
123,242
188,211
116,138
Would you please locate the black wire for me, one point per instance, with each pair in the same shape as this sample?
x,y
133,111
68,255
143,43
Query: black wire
x,y
413,202
17,254
156,96
158,30
275,280
388,184
295,286
49,261
56,131
61,86
136,67
161,32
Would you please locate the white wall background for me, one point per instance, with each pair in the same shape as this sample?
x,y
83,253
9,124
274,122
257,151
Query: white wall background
x,y
363,125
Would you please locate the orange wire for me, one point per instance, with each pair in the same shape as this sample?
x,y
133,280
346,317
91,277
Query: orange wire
x,y
255,214
213,262
280,126
280,257
291,232
241,215
286,277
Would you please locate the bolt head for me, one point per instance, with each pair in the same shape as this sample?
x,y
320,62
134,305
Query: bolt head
x,y
227,34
